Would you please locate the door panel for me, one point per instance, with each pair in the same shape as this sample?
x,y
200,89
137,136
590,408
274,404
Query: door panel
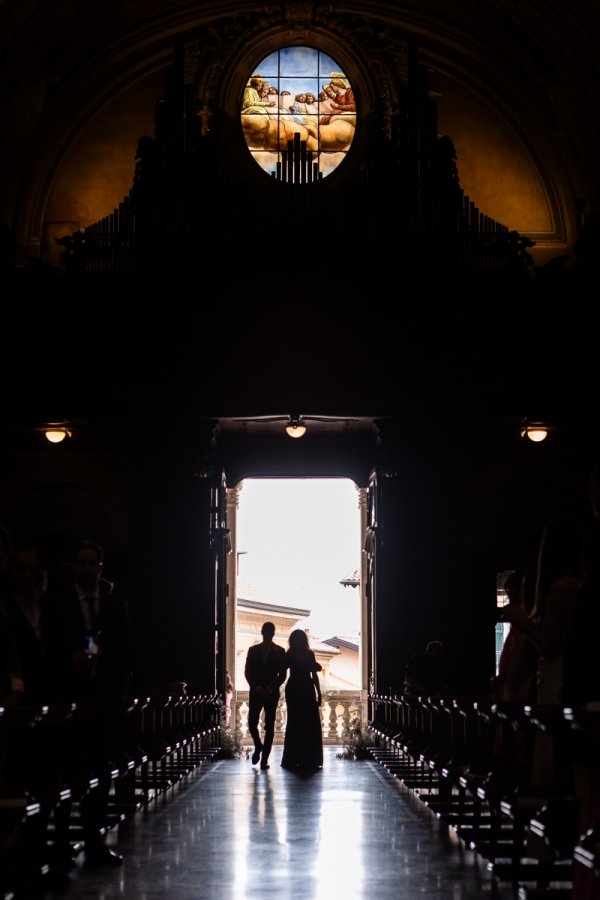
x,y
220,544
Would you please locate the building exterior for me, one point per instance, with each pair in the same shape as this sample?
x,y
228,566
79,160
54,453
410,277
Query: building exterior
x,y
344,668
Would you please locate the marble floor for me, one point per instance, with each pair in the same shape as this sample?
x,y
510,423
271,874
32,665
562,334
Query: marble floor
x,y
231,831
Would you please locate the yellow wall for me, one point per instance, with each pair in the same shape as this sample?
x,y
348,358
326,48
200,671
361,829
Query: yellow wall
x,y
494,168
97,171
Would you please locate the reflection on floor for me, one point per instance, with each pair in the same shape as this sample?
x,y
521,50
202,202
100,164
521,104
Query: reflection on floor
x,y
232,831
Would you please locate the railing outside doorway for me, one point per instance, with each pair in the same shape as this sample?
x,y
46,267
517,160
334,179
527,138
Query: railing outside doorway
x,y
338,710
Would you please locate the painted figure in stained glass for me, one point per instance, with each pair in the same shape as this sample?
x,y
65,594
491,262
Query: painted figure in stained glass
x,y
298,98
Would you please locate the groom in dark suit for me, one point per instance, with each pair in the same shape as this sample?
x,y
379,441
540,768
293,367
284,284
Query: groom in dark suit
x,y
265,673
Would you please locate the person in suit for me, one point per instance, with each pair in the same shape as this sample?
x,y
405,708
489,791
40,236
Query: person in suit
x,y
85,631
29,583
12,687
265,672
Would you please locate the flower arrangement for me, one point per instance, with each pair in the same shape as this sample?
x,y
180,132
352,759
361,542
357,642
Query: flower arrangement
x,y
357,741
231,746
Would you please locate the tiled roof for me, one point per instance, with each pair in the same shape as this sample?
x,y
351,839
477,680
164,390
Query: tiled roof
x,y
341,642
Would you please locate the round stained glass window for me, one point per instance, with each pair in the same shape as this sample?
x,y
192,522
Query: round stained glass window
x,y
298,114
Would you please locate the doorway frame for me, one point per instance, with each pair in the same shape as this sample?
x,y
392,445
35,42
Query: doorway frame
x,y
366,647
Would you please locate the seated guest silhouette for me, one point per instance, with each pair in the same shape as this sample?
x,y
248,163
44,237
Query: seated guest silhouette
x,y
426,672
265,673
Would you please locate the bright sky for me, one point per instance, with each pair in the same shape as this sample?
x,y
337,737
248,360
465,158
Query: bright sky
x,y
302,537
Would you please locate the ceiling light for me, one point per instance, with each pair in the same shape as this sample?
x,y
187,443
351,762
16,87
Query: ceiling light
x,y
56,433
295,427
535,432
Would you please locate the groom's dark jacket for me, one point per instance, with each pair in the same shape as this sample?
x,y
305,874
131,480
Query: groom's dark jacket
x,y
267,672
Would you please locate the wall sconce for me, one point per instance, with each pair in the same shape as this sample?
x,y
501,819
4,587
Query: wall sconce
x,y
56,433
535,431
295,427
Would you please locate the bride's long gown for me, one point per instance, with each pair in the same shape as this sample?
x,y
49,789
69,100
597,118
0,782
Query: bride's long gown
x,y
303,745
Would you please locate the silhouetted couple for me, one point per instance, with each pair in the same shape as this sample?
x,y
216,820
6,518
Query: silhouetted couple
x,y
266,668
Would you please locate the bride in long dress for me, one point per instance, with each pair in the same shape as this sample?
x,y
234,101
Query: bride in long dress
x,y
303,745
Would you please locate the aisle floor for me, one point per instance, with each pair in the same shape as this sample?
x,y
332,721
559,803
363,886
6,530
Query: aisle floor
x,y
232,832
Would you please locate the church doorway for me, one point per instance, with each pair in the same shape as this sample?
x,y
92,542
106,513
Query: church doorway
x,y
296,559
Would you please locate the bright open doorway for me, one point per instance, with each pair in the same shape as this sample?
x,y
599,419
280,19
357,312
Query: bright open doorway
x,y
299,549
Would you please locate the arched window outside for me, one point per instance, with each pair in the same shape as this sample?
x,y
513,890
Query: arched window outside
x,y
298,114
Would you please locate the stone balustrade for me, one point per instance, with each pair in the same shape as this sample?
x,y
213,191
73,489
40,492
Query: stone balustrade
x,y
338,710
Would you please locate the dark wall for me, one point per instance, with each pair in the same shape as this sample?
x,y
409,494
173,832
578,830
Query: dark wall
x,y
172,594
140,370
452,515
456,509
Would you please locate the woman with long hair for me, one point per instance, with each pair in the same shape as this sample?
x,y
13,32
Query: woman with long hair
x,y
303,746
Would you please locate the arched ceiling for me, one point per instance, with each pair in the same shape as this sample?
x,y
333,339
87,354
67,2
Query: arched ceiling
x,y
63,61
